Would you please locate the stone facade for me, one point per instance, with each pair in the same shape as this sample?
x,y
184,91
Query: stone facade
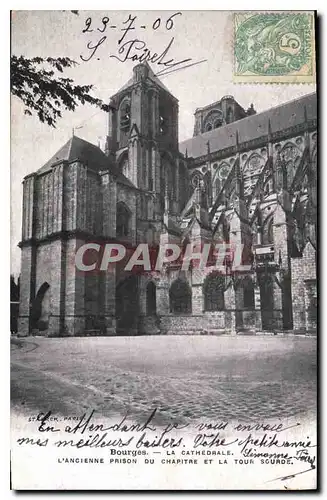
x,y
245,179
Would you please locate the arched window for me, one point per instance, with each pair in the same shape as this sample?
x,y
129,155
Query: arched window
x,y
125,115
196,179
229,117
208,127
170,180
123,164
217,186
268,232
122,220
151,306
248,293
180,297
163,120
162,125
213,288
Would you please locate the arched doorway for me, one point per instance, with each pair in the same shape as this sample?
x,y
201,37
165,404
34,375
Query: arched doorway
x,y
123,216
127,306
245,304
180,297
40,310
213,291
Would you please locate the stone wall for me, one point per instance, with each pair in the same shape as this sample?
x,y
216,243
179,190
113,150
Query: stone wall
x,y
303,272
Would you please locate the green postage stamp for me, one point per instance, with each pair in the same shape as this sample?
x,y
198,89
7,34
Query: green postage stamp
x,y
274,47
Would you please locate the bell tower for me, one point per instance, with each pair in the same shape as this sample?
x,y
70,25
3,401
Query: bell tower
x,y
143,135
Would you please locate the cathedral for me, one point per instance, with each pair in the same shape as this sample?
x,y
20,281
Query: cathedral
x,y
244,178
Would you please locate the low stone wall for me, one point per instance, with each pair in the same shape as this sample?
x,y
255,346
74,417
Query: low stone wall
x,y
206,324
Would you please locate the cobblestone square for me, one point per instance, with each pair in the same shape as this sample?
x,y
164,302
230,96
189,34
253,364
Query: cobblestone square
x,y
188,377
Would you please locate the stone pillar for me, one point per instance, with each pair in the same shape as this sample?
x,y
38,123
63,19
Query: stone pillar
x,y
28,255
257,308
239,307
29,202
197,292
162,297
230,320
57,198
74,291
155,113
58,276
111,144
27,288
156,170
110,301
109,197
280,229
278,306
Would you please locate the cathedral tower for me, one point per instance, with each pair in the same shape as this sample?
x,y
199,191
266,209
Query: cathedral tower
x,y
143,137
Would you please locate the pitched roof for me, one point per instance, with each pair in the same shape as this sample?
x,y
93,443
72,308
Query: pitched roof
x,y
78,149
89,154
151,76
281,117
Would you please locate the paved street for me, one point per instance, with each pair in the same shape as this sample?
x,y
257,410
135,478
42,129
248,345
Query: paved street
x,y
183,376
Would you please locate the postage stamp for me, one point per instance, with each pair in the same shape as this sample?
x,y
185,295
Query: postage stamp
x,y
274,47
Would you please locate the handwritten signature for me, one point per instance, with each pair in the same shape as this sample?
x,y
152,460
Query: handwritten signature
x,y
136,49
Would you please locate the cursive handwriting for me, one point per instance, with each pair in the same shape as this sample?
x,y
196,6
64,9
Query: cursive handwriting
x,y
85,425
137,50
303,456
211,440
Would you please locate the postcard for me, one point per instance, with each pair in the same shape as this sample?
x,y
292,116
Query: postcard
x,y
164,238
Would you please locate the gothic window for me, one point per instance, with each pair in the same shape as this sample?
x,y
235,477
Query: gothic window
x,y
214,119
267,233
163,121
123,165
180,297
223,170
162,124
214,287
248,293
196,179
125,115
151,299
217,186
122,220
170,181
229,117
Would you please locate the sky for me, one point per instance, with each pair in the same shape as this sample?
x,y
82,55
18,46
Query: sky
x,y
206,35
